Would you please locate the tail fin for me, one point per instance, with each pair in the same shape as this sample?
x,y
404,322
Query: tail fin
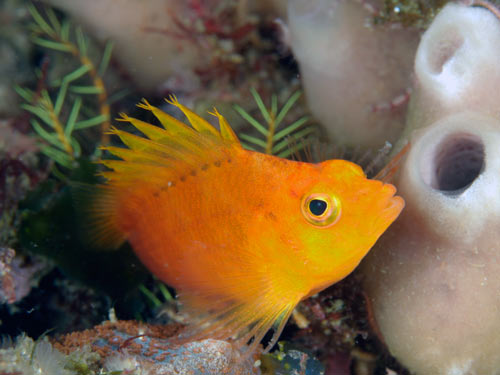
x,y
97,205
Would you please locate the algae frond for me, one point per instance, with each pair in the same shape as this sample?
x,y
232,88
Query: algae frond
x,y
66,104
282,142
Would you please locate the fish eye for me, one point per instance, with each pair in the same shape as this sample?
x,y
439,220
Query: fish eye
x,y
321,209
317,206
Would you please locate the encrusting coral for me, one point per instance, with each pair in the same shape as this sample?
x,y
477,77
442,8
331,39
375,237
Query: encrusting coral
x,y
17,278
123,347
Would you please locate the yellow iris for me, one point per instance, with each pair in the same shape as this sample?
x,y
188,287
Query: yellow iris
x,y
321,209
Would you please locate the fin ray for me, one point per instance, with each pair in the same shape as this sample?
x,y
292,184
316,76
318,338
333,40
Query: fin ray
x,y
243,322
168,122
225,130
176,148
197,122
189,140
100,223
162,154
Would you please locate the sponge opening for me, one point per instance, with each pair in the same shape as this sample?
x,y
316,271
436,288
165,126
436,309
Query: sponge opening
x,y
443,49
458,161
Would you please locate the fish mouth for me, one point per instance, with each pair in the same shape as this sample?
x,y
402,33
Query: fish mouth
x,y
392,204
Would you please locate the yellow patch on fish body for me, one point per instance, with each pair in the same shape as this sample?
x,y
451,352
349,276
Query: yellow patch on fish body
x,y
242,236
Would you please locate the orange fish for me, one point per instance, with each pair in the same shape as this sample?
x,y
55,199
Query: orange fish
x,y
242,236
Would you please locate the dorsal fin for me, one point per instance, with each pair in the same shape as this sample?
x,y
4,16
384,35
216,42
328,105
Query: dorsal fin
x,y
226,131
175,147
160,155
197,122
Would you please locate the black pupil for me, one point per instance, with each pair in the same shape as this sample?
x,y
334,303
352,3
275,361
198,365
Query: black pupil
x,y
317,207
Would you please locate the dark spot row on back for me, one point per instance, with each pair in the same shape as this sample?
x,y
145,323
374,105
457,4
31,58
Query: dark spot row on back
x,y
183,178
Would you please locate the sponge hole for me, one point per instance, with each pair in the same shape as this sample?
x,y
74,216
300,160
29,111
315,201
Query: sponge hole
x,y
459,159
443,49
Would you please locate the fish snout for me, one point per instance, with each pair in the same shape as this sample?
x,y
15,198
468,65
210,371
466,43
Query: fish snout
x,y
391,206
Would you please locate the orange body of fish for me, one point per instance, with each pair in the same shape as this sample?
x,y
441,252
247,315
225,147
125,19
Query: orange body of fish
x,y
242,236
